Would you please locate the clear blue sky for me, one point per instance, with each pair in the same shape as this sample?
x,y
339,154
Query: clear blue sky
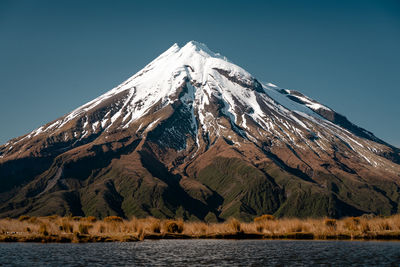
x,y
57,55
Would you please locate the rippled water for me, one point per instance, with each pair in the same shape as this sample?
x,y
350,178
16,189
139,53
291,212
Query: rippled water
x,y
203,253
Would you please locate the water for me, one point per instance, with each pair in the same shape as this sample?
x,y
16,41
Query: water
x,y
203,253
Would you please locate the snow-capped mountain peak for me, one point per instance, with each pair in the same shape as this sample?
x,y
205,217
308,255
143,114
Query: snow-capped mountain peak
x,y
160,79
202,135
219,98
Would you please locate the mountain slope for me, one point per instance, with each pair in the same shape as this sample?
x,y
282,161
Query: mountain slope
x,y
193,135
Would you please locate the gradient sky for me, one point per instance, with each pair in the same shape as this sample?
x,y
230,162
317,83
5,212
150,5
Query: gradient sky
x,y
58,55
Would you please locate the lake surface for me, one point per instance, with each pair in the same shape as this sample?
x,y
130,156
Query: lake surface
x,y
203,253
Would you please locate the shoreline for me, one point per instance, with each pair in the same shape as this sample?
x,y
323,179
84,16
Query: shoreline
x,y
71,238
55,229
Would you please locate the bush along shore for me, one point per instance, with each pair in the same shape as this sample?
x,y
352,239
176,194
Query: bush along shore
x,y
113,228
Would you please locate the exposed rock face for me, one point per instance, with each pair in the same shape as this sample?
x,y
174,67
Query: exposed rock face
x,y
195,136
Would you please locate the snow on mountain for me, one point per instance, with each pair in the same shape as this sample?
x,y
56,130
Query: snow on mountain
x,y
255,111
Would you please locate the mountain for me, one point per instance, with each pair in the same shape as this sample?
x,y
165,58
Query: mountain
x,y
193,135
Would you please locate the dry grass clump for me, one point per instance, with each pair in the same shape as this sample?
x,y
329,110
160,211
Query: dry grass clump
x,y
91,219
351,223
330,223
43,229
33,220
261,220
197,228
113,228
101,229
235,225
23,218
52,217
66,227
84,228
113,219
155,226
265,217
172,226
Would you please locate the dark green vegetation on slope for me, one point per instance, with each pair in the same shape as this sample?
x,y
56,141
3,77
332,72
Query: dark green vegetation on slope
x,y
227,187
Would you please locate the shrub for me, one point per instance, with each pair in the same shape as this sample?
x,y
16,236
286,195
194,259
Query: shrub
x,y
77,218
113,219
174,226
265,217
23,218
330,222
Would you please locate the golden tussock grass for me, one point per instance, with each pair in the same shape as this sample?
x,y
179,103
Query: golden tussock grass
x,y
114,228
